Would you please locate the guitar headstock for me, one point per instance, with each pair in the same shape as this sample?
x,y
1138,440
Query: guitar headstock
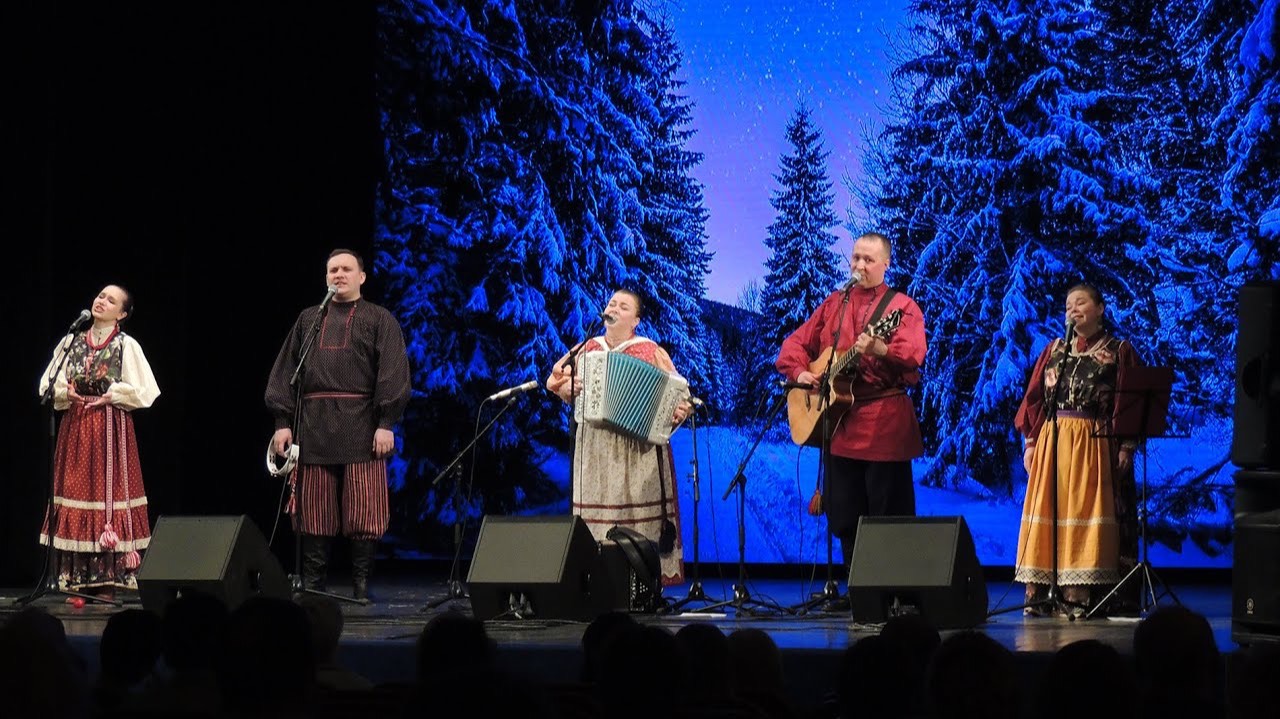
x,y
886,325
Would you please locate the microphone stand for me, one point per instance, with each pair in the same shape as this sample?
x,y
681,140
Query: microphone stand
x,y
456,589
828,599
1053,597
48,581
572,363
299,586
696,594
307,342
742,601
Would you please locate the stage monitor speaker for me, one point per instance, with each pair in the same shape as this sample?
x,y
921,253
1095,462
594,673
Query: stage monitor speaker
x,y
917,565
1255,439
1255,576
225,557
537,568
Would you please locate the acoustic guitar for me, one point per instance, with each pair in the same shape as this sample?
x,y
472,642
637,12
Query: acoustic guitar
x,y
806,410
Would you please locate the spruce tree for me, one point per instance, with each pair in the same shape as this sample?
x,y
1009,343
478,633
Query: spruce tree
x,y
1251,184
1006,190
803,269
675,264
508,211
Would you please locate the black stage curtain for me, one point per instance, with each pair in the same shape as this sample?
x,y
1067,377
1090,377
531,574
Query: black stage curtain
x,y
207,156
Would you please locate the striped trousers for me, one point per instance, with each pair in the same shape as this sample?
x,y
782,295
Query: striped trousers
x,y
363,499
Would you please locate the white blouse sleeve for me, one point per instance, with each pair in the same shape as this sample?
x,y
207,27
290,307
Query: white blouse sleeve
x,y
60,401
137,387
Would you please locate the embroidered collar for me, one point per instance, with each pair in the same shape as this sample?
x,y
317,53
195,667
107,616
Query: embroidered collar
x,y
1085,346
633,340
874,292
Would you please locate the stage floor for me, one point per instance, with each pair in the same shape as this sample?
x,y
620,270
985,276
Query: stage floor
x,y
378,640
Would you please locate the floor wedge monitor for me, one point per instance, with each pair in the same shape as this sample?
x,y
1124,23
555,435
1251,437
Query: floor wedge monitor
x,y
544,567
225,556
917,565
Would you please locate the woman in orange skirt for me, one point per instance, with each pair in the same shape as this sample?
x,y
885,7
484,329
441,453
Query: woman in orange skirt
x,y
1071,462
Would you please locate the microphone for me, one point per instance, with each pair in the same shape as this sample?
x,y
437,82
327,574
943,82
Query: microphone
x,y
328,297
696,402
85,316
795,385
531,384
854,279
1071,330
608,318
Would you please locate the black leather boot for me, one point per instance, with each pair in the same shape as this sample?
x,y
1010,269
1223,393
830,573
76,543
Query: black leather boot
x,y
315,561
361,567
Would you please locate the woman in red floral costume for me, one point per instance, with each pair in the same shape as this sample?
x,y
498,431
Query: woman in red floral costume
x,y
1091,468
99,523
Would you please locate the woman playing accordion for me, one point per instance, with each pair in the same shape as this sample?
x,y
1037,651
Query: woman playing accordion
x,y
623,474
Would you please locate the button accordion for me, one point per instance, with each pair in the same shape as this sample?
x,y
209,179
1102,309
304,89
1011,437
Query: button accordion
x,y
629,395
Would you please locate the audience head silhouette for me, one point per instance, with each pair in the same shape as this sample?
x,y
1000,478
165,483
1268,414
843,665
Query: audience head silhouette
x,y
973,677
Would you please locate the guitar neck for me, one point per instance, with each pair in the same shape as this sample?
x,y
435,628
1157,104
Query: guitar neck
x,y
880,330
849,361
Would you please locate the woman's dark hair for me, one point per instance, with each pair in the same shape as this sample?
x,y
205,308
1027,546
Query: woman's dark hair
x,y
127,305
636,296
1090,290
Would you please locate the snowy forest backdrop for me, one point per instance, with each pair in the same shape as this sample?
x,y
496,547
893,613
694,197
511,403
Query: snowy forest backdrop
x,y
539,155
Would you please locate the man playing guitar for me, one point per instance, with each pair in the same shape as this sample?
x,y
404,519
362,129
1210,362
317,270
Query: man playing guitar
x,y
873,443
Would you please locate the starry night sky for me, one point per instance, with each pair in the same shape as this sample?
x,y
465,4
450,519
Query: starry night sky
x,y
747,65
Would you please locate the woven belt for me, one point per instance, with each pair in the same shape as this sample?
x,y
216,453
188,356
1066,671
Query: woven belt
x,y
864,398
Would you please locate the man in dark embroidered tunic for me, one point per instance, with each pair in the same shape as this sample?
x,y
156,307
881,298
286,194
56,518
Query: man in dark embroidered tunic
x,y
355,386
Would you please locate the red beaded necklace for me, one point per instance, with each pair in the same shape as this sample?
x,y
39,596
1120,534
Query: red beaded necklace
x,y
88,338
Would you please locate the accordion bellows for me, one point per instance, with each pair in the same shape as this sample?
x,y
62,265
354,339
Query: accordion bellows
x,y
629,395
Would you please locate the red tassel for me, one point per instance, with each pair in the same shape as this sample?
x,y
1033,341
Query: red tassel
x,y
109,538
816,508
132,560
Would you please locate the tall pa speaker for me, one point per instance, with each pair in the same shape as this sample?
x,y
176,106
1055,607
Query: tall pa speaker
x,y
1255,577
1255,442
917,565
537,568
225,557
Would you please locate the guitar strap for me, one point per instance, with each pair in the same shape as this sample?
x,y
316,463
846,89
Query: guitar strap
x,y
884,305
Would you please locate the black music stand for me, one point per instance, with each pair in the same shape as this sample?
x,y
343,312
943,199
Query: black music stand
x,y
1142,403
